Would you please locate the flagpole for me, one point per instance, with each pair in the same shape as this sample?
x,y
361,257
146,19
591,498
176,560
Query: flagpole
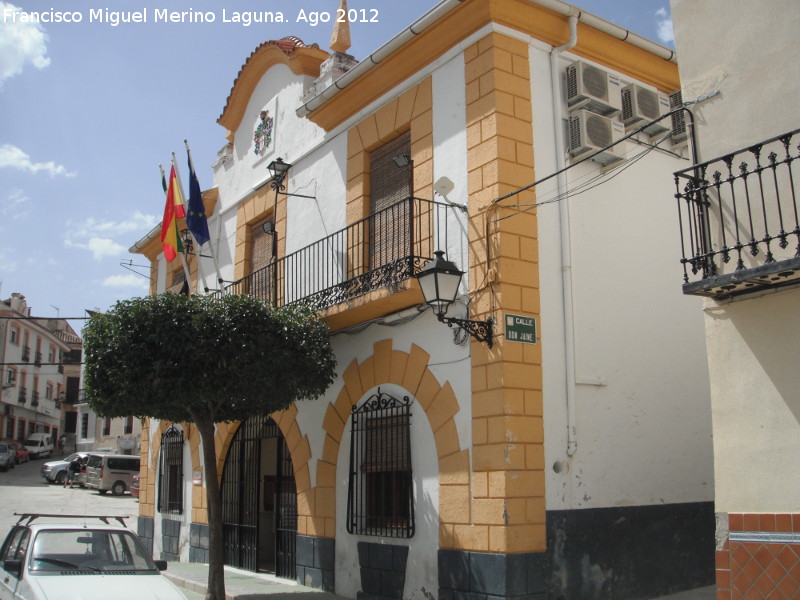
x,y
183,255
177,233
210,245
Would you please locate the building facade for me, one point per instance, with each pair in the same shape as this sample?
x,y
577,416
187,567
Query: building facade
x,y
746,262
565,459
33,385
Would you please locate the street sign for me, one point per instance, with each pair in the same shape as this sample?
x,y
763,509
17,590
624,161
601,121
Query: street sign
x,y
520,329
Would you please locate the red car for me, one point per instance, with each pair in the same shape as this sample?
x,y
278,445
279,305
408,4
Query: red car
x,y
135,486
21,452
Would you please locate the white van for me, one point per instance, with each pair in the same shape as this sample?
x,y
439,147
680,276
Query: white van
x,y
39,445
113,472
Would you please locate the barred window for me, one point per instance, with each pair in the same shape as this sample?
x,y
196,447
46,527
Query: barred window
x,y
170,476
380,497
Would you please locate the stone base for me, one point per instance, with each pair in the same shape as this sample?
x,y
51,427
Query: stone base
x,y
486,576
170,540
383,571
631,551
198,543
145,526
316,559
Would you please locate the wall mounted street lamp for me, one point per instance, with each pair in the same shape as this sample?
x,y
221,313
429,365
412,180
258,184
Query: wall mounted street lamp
x,y
188,244
278,169
439,281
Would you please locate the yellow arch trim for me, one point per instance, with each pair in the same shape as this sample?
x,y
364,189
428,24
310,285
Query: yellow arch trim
x,y
409,370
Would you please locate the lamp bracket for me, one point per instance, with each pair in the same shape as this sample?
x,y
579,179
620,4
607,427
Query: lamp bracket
x,y
480,330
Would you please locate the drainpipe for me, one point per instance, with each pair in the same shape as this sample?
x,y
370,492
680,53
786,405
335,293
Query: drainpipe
x,y
564,222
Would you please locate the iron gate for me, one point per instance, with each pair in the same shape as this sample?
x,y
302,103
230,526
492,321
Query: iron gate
x,y
242,491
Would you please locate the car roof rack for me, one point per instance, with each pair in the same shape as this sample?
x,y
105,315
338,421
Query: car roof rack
x,y
104,518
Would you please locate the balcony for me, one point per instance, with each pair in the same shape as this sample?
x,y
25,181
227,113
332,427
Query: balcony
x,y
738,214
35,399
23,395
37,359
380,251
26,353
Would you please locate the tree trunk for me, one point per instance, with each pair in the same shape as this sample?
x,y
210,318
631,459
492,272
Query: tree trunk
x,y
216,570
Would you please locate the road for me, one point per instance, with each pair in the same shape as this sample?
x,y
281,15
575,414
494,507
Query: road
x,y
24,490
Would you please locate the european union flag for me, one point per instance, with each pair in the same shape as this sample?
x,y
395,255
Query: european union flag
x,y
196,215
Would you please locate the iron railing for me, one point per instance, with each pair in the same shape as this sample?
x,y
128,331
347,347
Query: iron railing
x,y
383,249
738,216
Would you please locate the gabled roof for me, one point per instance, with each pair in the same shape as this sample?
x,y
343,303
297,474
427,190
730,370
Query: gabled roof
x,y
290,51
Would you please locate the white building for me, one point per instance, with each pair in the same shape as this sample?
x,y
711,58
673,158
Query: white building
x,y
563,464
33,384
738,71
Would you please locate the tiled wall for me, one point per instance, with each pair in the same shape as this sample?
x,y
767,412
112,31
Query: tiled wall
x,y
760,557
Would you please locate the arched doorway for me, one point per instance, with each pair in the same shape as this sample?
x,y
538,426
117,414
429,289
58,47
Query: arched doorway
x,y
259,500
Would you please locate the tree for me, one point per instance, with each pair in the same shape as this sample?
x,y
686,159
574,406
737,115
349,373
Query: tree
x,y
204,360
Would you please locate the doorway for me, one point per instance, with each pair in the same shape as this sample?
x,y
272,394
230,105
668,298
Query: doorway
x,y
259,500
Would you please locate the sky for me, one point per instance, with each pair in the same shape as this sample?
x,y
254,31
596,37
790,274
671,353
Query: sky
x,y
89,109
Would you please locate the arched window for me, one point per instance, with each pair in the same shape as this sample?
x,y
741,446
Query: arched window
x,y
170,472
380,495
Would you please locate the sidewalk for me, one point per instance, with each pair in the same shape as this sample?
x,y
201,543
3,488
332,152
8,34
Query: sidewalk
x,y
244,585
240,584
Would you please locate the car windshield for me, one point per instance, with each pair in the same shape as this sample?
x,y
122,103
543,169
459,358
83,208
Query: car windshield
x,y
70,458
93,550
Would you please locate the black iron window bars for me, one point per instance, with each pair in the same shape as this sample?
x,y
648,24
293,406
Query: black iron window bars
x,y
380,495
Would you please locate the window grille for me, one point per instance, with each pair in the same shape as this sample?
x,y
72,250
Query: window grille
x,y
380,495
390,236
170,475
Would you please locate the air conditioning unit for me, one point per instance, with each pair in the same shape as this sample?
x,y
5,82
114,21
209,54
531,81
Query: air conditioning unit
x,y
640,105
679,132
593,89
590,132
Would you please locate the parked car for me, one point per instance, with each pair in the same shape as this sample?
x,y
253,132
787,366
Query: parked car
x,y
135,485
49,557
39,445
55,471
111,472
22,454
8,456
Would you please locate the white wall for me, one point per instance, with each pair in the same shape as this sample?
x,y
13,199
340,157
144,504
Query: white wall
x,y
642,418
747,51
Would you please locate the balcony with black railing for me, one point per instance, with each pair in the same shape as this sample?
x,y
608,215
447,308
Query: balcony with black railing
x,y
379,251
23,395
35,399
26,353
738,214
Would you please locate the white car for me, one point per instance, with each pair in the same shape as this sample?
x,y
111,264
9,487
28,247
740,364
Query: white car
x,y
47,557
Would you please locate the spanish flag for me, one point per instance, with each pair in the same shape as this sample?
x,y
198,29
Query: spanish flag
x,y
173,210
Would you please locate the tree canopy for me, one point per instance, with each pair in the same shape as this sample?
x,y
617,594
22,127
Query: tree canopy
x,y
168,356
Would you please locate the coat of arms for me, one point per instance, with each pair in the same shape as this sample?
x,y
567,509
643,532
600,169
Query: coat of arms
x,y
263,133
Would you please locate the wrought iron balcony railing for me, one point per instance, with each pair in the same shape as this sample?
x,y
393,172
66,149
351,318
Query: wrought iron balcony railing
x,y
37,359
378,251
23,395
740,231
26,353
35,399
